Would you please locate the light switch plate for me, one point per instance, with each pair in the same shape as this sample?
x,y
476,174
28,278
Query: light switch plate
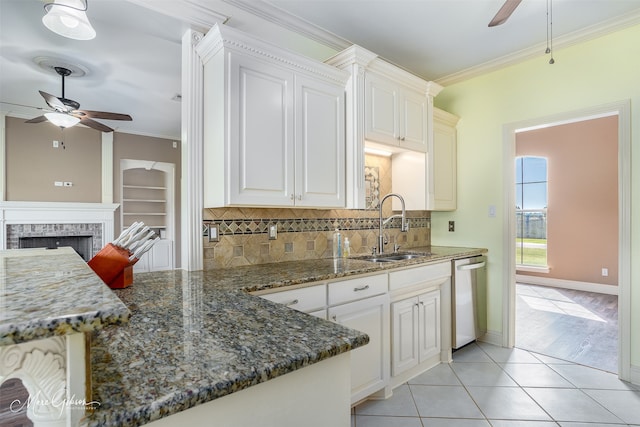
x,y
214,233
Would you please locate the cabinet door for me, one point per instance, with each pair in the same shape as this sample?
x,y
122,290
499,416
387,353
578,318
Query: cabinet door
x,y
404,341
413,121
381,110
261,137
161,255
429,328
445,161
370,363
320,144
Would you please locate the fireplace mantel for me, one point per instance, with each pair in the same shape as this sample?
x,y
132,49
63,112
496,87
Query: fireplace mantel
x,y
16,212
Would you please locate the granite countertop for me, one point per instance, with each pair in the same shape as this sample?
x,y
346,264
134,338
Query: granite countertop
x,y
197,336
44,293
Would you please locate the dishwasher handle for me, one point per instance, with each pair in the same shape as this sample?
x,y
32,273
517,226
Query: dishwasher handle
x,y
472,266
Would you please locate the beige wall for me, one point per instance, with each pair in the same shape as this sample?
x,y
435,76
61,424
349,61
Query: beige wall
x,y
136,147
582,228
33,165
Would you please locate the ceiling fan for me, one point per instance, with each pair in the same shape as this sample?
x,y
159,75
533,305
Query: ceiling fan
x,y
66,112
505,12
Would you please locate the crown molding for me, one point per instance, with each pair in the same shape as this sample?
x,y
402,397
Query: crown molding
x,y
267,11
589,33
200,17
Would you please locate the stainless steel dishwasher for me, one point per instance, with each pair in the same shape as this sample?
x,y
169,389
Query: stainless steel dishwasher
x,y
469,300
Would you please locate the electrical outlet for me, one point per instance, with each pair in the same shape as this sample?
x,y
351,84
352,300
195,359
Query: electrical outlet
x,y
273,232
214,233
175,144
452,226
492,211
55,144
57,183
605,272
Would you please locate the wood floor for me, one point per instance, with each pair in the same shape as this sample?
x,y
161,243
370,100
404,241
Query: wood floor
x,y
580,327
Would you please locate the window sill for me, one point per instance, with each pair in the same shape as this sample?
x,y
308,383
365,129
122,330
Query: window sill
x,y
532,269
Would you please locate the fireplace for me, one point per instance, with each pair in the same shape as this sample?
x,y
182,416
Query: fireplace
x,y
87,227
83,245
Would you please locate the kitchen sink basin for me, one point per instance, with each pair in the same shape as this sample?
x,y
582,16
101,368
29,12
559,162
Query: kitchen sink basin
x,y
392,257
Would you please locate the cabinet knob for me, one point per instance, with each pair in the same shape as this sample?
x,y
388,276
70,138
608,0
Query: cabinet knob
x,y
299,196
402,138
334,318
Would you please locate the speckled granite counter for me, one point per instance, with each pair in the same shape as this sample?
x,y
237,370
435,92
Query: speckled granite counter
x,y
194,337
44,293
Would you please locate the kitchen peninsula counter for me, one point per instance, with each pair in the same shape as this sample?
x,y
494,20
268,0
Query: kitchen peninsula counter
x,y
194,337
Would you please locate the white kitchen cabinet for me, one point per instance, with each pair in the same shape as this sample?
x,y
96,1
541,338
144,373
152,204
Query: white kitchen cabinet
x,y
427,181
311,299
370,363
445,160
394,114
383,105
273,127
416,330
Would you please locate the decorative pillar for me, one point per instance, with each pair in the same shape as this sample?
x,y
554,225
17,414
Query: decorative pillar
x,y
192,152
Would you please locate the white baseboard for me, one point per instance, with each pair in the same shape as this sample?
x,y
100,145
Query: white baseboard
x,y
492,337
634,374
567,284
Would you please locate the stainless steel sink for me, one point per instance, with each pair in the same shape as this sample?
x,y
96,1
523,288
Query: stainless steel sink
x,y
392,257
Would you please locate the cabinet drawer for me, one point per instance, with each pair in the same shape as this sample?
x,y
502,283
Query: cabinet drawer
x,y
303,299
355,289
415,276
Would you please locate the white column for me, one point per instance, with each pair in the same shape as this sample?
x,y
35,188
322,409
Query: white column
x,y
107,167
192,152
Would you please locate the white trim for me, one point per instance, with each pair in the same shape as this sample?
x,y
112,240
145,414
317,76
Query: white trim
x,y
492,337
623,110
634,374
192,251
3,156
599,288
107,167
57,213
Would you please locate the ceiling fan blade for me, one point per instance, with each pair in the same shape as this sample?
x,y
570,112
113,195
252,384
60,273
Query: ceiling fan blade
x,y
95,125
505,12
38,119
53,101
105,115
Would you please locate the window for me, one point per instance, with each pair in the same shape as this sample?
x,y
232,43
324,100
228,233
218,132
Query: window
x,y
531,211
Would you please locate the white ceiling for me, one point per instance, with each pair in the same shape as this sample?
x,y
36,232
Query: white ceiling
x,y
134,62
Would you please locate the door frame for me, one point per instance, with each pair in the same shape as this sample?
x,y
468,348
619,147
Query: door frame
x,y
623,110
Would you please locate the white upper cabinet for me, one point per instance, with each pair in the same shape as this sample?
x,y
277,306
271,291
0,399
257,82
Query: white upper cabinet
x,y
389,106
445,160
274,129
395,115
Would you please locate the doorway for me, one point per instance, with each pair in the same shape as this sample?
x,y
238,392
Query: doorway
x,y
622,111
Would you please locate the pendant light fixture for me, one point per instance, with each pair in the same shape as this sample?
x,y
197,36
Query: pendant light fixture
x,y
549,49
68,19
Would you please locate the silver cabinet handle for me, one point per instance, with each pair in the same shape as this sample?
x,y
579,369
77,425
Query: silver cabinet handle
x,y
335,318
361,288
299,196
292,197
290,303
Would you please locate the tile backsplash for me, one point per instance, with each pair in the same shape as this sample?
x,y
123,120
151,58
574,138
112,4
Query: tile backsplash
x,y
306,233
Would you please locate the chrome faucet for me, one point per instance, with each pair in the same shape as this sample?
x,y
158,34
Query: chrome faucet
x,y
403,227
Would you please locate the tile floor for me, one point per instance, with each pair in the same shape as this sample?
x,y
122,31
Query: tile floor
x,y
488,385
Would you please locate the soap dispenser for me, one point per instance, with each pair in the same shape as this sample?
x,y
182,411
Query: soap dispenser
x,y
337,244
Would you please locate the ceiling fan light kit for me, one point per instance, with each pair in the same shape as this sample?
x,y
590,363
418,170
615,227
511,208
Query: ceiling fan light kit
x,y
62,120
68,19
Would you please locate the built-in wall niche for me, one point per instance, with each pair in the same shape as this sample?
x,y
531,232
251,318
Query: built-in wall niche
x,y
147,195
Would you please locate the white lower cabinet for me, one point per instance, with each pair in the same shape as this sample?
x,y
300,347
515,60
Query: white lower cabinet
x,y
416,330
370,363
311,300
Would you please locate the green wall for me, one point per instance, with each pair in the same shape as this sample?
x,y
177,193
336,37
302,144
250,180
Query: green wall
x,y
594,73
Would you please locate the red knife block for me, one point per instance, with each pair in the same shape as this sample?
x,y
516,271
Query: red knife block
x,y
112,265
